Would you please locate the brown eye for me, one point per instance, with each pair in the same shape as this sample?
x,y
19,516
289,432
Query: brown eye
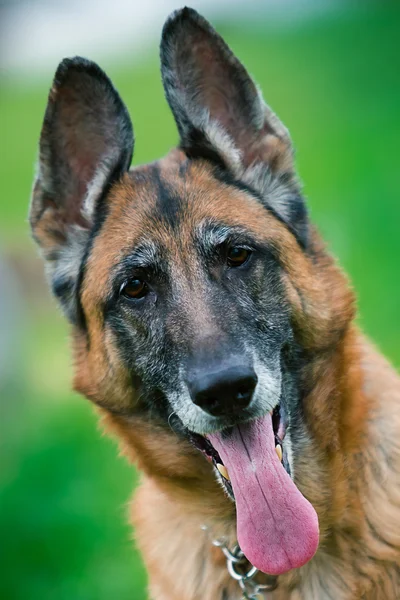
x,y
135,288
237,256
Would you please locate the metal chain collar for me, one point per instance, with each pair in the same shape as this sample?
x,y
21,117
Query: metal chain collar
x,y
236,563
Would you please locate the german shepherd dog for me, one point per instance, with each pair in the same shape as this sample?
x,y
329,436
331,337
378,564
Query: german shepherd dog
x,y
216,336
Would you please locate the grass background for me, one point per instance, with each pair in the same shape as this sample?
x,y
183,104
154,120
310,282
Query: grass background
x,y
63,490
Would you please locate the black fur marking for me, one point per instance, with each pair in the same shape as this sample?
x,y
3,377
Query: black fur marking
x,y
169,203
62,286
299,218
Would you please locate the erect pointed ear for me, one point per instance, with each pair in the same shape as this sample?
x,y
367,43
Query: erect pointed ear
x,y
221,115
86,144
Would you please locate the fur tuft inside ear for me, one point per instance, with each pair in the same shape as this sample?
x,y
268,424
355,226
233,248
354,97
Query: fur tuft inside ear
x,y
86,144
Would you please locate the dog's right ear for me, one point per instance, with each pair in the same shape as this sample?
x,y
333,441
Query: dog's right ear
x,y
86,144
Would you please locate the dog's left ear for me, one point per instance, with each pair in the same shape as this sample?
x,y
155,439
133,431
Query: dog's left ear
x,y
221,115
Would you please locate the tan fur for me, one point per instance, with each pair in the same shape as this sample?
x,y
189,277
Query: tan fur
x,y
352,562
349,466
350,469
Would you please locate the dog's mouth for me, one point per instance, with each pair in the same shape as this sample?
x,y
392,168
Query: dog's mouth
x,y
277,528
202,443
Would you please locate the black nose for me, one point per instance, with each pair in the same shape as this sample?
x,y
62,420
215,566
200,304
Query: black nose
x,y
223,392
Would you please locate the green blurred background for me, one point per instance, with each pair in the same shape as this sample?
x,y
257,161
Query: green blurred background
x,y
335,82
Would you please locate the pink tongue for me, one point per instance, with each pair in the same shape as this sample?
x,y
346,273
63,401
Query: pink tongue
x,y
277,528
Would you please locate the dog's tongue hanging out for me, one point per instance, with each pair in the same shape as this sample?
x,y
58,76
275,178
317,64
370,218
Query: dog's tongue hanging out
x,y
277,528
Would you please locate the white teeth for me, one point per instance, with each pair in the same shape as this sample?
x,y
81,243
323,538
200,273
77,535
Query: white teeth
x,y
278,450
223,470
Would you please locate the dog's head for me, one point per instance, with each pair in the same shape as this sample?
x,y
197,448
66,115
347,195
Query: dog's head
x,y
195,285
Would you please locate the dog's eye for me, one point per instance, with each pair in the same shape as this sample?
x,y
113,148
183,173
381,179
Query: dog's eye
x,y
134,289
237,256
